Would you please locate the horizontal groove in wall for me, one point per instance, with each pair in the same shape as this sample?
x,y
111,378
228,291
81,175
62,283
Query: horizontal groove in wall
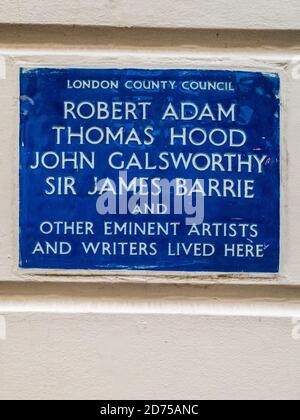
x,y
36,36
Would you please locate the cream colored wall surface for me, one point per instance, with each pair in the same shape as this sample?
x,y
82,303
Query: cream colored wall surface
x,y
257,14
149,342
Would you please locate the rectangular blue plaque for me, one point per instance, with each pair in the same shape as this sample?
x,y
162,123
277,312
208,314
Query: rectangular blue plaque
x,y
166,170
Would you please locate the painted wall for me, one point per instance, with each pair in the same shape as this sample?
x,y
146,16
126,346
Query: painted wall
x,y
159,336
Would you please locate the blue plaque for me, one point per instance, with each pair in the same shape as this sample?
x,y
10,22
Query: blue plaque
x,y
164,170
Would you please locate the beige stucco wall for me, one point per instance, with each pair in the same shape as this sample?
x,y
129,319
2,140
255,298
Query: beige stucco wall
x,y
146,342
84,337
